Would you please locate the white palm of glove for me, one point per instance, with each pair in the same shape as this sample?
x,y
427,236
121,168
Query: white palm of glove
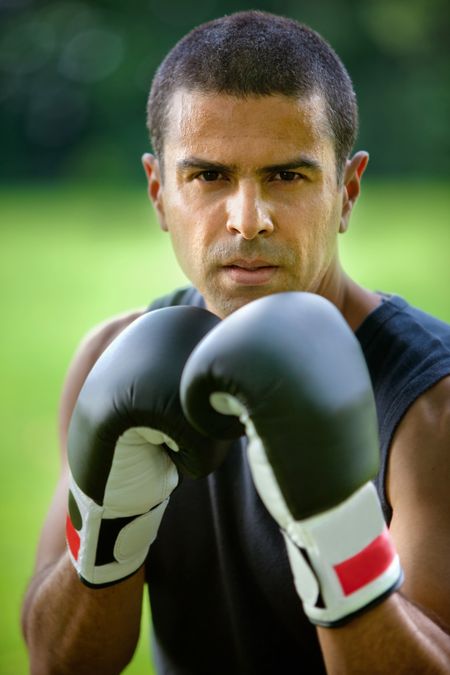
x,y
342,559
140,481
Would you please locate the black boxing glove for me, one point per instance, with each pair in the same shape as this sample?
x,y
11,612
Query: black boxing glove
x,y
289,367
128,439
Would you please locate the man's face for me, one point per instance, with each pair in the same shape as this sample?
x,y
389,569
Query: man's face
x,y
250,196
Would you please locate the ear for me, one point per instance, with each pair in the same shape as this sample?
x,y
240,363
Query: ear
x,y
155,186
354,170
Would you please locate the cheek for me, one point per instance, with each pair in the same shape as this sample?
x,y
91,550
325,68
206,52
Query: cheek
x,y
326,216
192,223
184,244
312,223
314,237
187,241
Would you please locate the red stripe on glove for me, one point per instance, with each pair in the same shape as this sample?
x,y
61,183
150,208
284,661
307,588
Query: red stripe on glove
x,y
73,538
367,565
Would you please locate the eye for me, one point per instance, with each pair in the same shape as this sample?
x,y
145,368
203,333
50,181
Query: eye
x,y
288,176
210,175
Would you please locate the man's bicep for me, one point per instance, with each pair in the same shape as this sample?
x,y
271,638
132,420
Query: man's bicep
x,y
418,480
423,544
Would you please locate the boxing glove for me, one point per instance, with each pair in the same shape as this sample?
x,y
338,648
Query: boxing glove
x,y
288,370
129,440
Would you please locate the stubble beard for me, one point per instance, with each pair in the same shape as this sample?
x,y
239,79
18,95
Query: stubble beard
x,y
224,301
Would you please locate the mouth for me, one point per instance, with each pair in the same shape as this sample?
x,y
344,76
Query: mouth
x,y
250,272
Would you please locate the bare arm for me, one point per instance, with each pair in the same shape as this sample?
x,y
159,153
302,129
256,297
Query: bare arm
x,y
68,627
409,633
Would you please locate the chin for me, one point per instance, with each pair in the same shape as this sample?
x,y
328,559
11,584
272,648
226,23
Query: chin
x,y
226,303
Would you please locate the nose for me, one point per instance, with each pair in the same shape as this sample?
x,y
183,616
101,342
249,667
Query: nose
x,y
247,213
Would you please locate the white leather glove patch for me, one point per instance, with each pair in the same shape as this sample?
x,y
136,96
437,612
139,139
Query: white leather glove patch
x,y
109,542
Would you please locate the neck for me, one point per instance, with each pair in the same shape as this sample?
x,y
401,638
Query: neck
x,y
353,301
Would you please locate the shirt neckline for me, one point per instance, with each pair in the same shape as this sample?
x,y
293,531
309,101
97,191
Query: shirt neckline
x,y
390,305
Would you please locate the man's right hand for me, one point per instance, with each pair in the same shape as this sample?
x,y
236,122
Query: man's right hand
x,y
290,368
128,438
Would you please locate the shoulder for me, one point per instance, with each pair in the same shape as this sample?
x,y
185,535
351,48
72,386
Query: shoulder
x,y
408,356
89,350
103,333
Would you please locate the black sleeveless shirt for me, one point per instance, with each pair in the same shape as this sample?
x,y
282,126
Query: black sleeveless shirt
x,y
221,590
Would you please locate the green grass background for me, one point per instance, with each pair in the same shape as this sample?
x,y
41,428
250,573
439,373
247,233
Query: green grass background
x,y
71,257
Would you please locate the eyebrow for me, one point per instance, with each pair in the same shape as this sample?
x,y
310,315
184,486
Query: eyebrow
x,y
300,162
204,165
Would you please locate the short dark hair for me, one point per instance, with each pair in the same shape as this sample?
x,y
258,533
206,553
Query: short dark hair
x,y
256,53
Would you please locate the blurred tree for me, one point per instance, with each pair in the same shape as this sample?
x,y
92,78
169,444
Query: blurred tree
x,y
74,77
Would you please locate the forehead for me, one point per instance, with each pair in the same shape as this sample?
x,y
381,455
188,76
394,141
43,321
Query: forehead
x,y
208,124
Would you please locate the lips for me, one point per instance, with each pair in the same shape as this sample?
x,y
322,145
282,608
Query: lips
x,y
250,272
249,264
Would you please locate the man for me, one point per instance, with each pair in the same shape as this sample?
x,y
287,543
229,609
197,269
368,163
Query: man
x,y
253,119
